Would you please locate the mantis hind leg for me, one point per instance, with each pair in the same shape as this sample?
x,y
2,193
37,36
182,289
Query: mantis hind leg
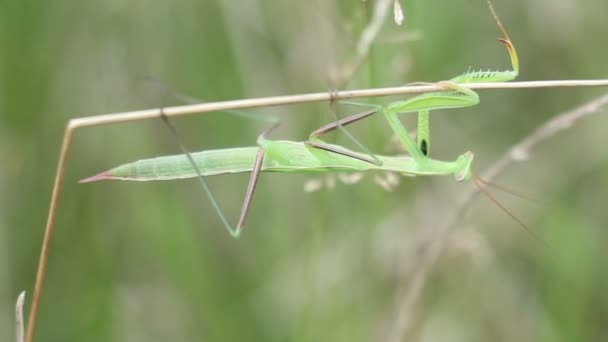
x,y
253,182
257,168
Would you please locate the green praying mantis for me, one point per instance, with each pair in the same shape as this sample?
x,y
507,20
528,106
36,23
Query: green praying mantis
x,y
315,155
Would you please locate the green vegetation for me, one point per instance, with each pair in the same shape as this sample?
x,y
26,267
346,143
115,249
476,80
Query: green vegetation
x,y
149,261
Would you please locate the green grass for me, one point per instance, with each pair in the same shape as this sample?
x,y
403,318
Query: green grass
x,y
151,261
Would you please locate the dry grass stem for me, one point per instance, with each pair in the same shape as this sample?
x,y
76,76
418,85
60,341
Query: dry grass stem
x,y
316,97
19,328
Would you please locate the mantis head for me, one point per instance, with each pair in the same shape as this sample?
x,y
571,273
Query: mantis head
x,y
463,167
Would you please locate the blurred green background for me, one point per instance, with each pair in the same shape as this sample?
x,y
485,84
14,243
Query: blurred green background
x,y
151,261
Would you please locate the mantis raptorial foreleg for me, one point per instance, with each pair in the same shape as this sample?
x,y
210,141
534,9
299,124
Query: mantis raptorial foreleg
x,y
459,97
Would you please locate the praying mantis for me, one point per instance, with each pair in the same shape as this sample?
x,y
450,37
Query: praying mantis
x,y
316,155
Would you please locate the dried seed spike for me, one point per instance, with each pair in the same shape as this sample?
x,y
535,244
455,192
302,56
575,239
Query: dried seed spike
x,y
398,14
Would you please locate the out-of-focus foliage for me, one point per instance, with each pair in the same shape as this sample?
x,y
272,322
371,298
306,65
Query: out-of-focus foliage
x,y
151,262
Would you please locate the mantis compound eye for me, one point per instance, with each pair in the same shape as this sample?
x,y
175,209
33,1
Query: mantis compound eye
x,y
424,147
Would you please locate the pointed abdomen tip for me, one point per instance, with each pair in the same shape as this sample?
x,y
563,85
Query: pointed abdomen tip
x,y
102,176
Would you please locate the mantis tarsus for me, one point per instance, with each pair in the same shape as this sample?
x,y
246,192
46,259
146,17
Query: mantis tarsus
x,y
315,155
417,164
